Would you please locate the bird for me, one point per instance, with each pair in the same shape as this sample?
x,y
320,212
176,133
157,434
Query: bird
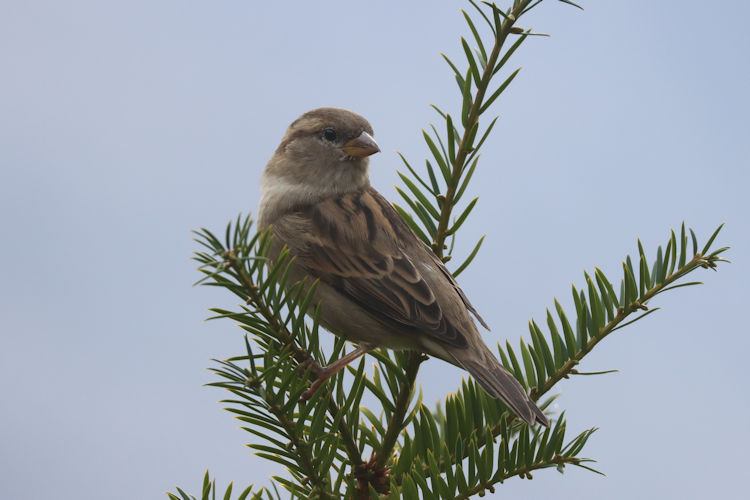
x,y
378,284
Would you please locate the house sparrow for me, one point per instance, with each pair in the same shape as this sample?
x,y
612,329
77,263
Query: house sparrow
x,y
379,284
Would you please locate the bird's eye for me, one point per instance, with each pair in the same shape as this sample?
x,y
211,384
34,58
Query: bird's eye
x,y
329,134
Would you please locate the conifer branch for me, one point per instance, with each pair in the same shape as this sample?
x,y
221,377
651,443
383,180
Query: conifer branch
x,y
396,423
638,305
300,355
523,472
471,123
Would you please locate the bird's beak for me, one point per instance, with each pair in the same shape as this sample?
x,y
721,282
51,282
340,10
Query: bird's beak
x,y
361,146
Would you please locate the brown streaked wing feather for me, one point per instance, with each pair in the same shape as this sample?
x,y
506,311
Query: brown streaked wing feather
x,y
350,243
405,232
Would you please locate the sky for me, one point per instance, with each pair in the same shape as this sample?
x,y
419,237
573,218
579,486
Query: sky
x,y
124,125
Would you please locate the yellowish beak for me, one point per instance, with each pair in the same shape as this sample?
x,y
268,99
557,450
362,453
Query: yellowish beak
x,y
361,146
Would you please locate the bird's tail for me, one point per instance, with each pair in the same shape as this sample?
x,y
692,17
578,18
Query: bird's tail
x,y
499,383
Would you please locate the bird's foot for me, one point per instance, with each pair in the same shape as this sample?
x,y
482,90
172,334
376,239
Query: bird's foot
x,y
313,365
325,372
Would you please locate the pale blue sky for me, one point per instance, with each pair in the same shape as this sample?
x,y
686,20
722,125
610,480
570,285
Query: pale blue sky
x,y
126,124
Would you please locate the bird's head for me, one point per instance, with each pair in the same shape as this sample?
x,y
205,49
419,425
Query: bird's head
x,y
325,152
331,135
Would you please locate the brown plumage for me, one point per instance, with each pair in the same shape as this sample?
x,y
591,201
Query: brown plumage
x,y
379,284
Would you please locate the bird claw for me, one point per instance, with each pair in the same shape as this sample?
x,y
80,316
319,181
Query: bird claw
x,y
313,365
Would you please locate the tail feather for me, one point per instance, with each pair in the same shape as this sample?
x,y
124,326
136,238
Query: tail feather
x,y
499,383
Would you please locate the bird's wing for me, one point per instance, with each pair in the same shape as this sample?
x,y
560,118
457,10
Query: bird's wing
x,y
448,276
359,245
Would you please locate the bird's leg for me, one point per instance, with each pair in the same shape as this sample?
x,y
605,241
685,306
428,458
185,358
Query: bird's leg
x,y
326,372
